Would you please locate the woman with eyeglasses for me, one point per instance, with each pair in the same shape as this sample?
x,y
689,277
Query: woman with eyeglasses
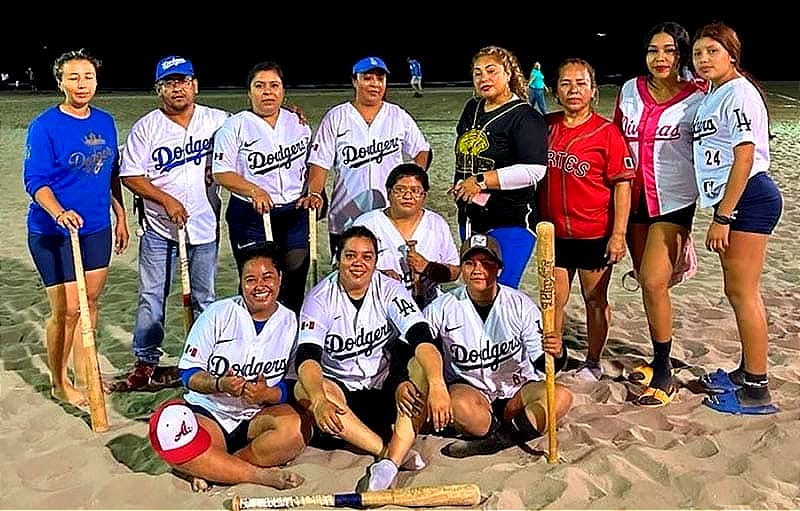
x,y
70,172
415,245
501,153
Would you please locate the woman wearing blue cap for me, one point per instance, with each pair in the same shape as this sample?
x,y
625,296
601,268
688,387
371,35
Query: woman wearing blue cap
x,y
361,141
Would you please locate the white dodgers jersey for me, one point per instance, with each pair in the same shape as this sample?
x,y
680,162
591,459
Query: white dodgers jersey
x,y
730,115
434,243
361,156
175,160
224,339
272,158
496,357
353,341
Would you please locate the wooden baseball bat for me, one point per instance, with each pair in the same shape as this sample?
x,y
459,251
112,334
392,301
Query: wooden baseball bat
x,y
186,288
545,264
267,226
97,400
312,244
421,496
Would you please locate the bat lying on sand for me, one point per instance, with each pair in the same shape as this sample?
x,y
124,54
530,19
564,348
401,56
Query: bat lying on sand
x,y
422,496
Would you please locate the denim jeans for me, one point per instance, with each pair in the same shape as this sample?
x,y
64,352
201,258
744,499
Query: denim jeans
x,y
537,99
158,264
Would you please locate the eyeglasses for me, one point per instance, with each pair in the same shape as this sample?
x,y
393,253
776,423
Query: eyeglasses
x,y
415,191
174,83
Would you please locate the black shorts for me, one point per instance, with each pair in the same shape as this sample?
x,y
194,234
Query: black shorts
x,y
683,217
581,254
52,254
234,440
376,408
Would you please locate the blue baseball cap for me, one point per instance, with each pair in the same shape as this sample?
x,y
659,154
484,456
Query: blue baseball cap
x,y
173,65
369,63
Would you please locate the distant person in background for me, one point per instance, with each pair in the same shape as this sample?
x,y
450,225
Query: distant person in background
x,y
415,68
501,153
434,258
260,157
731,158
166,161
537,88
70,172
655,113
361,141
31,80
586,194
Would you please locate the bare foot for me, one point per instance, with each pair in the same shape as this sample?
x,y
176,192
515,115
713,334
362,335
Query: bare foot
x,y
200,485
70,394
280,479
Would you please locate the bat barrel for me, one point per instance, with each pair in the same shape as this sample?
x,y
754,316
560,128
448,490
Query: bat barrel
x,y
97,400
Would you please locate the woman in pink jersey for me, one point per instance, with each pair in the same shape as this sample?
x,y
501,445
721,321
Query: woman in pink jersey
x,y
586,194
655,113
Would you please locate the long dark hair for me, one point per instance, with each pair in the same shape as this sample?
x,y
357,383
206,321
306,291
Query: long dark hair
x,y
681,37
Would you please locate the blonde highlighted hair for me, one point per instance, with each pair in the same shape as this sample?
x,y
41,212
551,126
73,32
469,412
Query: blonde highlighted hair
x,y
517,81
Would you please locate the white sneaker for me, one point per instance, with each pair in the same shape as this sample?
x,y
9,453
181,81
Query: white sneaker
x,y
380,476
589,372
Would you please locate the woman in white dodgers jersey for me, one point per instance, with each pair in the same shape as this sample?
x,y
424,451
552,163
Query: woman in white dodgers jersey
x,y
361,141
237,368
731,157
655,113
493,359
260,157
347,364
434,258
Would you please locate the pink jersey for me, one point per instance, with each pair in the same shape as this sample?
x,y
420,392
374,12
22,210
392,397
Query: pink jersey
x,y
583,165
660,139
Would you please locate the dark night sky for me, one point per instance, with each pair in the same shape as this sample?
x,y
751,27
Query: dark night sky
x,y
321,48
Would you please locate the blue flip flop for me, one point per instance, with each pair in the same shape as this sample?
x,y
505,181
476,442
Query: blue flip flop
x,y
728,402
718,382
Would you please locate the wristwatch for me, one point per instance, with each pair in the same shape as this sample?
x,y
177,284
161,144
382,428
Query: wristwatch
x,y
480,179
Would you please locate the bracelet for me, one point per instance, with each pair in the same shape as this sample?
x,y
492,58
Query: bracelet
x,y
58,216
316,194
216,384
722,219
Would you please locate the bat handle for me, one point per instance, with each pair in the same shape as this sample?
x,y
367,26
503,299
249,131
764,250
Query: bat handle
x,y
267,219
412,249
312,242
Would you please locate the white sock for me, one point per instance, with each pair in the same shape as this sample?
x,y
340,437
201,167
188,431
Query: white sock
x,y
381,474
413,461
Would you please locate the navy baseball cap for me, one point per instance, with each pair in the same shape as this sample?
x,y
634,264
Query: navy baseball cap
x,y
173,65
369,63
